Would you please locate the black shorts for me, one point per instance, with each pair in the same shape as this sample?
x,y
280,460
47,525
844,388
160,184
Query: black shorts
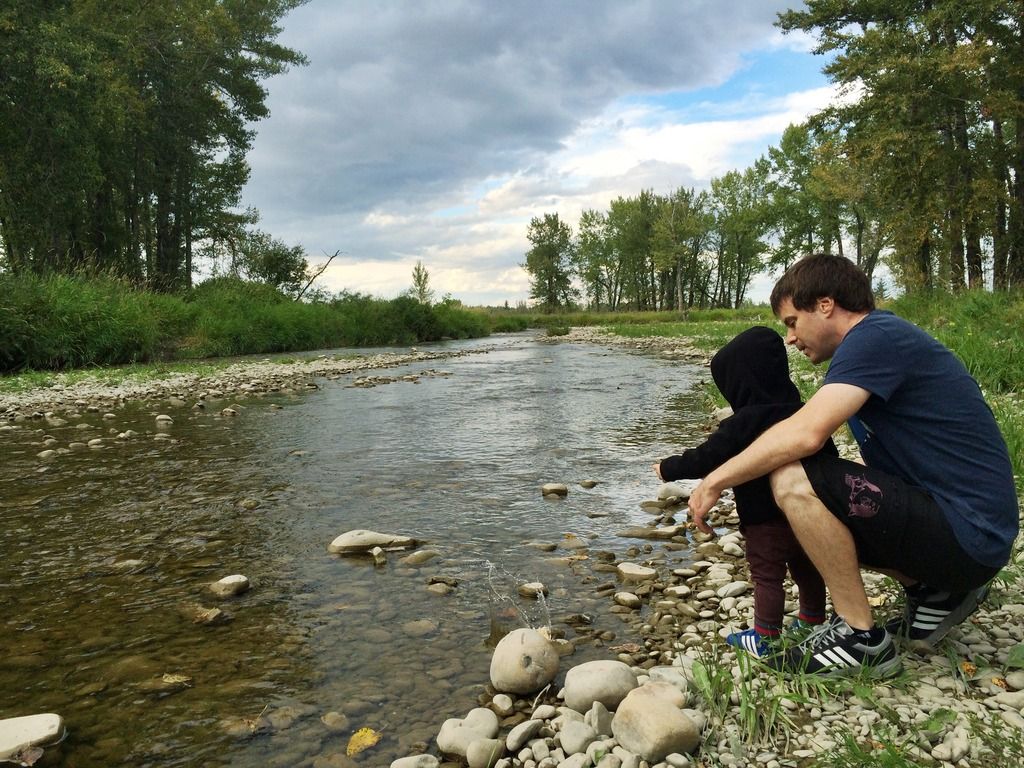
x,y
896,526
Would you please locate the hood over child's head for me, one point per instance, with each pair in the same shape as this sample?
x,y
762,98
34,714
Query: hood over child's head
x,y
753,369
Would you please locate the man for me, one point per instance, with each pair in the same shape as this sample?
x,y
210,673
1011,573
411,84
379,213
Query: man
x,y
934,504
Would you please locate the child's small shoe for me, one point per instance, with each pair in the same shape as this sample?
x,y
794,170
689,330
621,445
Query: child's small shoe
x,y
751,641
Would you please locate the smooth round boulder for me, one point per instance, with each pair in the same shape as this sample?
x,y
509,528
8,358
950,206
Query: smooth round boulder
x,y
361,540
484,753
649,723
634,572
533,589
457,734
416,761
230,586
523,662
604,680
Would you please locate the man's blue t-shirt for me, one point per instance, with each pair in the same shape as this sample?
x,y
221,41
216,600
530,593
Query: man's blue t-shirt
x,y
927,422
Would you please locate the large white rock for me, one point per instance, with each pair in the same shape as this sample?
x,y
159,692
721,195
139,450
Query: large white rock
x,y
416,761
521,734
361,540
523,662
230,586
734,589
674,490
456,735
634,572
650,724
575,737
672,675
484,753
22,733
604,680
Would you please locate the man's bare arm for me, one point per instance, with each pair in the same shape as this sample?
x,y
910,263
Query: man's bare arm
x,y
802,434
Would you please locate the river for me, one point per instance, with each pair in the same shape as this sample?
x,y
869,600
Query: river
x,y
106,553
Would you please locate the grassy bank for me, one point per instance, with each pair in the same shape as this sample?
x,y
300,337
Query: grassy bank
x,y
60,322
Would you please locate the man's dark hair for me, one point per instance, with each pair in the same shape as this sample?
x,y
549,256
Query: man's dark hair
x,y
823,275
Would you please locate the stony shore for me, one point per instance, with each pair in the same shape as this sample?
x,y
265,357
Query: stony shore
x,y
247,378
962,705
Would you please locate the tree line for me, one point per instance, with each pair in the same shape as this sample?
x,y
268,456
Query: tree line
x,y
124,129
919,166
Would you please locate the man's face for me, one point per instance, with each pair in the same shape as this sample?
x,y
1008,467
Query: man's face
x,y
812,331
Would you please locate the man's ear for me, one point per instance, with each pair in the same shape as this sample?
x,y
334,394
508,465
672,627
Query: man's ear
x,y
826,305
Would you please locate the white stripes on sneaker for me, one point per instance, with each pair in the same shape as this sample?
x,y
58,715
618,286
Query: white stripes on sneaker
x,y
928,619
836,657
749,643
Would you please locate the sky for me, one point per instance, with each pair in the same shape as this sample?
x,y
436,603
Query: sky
x,y
433,131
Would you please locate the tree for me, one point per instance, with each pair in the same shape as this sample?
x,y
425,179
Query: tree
x,y
937,125
682,231
549,262
421,284
741,205
265,259
141,119
631,229
594,262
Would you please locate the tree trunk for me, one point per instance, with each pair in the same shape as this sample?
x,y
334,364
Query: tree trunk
x,y
1000,242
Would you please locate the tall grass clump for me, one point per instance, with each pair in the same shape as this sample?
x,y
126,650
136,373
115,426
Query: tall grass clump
x,y
69,321
235,317
985,330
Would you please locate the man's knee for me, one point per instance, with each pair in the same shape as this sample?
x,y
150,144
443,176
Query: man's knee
x,y
791,487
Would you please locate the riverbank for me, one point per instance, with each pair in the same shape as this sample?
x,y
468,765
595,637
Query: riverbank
x,y
109,389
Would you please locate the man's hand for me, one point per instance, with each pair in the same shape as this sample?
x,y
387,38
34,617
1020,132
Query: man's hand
x,y
702,499
657,470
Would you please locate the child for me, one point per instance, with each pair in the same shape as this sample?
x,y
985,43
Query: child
x,y
752,372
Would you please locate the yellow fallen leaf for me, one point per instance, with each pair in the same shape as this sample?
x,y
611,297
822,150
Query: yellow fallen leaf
x,y
1000,681
969,669
362,739
177,679
877,600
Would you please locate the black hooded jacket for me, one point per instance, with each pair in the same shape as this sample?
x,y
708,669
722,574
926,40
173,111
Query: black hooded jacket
x,y
752,372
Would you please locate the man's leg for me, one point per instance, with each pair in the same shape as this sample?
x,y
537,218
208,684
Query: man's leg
x,y
849,643
827,542
898,529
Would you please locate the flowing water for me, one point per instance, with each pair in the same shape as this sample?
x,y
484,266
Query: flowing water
x,y
106,554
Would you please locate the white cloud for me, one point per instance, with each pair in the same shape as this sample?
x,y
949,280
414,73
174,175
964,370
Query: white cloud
x,y
434,132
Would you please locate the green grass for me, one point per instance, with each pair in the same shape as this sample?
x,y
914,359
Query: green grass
x,y
62,322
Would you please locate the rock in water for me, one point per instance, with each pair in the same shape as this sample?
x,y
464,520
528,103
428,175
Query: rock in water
x,y
523,662
554,489
359,541
230,586
19,734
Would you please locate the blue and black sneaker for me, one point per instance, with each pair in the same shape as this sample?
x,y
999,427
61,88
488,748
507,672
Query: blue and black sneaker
x,y
753,642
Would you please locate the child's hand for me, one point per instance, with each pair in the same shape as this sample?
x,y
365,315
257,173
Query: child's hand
x,y
657,470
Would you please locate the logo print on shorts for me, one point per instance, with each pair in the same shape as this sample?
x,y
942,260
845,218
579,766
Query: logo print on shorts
x,y
865,497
